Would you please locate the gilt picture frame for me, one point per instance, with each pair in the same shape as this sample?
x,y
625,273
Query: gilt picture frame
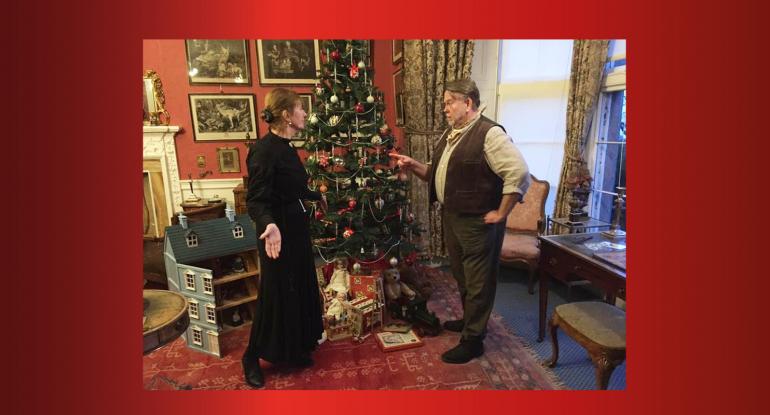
x,y
228,159
398,50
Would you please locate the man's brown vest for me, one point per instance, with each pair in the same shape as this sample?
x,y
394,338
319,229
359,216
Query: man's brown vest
x,y
471,186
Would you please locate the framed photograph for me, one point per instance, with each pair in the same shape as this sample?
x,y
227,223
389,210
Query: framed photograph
x,y
223,117
398,50
218,61
229,160
307,102
391,341
398,95
288,61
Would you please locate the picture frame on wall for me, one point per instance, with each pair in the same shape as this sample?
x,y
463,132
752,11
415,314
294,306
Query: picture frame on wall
x,y
398,50
212,61
223,117
229,160
288,62
307,102
398,95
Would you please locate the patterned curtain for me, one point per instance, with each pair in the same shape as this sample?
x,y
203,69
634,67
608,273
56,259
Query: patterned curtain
x,y
428,65
588,60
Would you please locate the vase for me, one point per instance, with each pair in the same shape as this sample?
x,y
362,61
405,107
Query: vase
x,y
578,201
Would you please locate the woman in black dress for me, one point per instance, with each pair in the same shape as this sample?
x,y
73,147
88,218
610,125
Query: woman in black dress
x,y
287,323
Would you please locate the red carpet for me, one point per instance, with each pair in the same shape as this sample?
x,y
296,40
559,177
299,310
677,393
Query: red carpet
x,y
506,364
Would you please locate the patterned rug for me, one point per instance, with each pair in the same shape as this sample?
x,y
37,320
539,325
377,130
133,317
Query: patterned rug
x,y
506,364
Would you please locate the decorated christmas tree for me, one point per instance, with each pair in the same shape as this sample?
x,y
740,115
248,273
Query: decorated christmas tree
x,y
348,141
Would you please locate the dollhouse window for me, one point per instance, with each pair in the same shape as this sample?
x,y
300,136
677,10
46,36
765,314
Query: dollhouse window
x,y
238,231
193,310
189,281
197,336
192,240
208,286
211,315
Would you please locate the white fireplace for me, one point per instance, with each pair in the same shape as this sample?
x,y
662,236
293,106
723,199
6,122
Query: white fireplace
x,y
160,171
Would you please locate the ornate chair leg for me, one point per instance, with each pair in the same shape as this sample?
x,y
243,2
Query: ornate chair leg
x,y
553,324
604,368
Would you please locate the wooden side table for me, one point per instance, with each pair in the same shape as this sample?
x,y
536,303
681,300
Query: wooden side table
x,y
165,318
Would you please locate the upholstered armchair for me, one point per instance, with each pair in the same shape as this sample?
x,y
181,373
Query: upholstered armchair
x,y
525,222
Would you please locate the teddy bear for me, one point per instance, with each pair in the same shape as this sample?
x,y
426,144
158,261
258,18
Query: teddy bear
x,y
340,280
395,289
412,277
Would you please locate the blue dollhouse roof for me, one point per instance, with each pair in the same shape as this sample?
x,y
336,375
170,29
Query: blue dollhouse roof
x,y
215,239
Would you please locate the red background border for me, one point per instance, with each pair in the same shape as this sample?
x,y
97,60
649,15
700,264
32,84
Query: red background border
x,y
694,114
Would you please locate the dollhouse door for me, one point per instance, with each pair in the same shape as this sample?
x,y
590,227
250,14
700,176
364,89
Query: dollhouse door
x,y
214,343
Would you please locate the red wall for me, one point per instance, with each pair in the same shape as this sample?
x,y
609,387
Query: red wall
x,y
168,59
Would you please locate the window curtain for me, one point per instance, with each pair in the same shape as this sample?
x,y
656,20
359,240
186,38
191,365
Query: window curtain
x,y
588,60
428,65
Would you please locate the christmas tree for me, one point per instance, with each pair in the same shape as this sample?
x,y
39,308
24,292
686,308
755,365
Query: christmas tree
x,y
348,141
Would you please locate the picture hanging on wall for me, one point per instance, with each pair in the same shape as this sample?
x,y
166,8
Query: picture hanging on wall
x,y
398,95
218,61
288,61
229,160
307,102
398,50
223,117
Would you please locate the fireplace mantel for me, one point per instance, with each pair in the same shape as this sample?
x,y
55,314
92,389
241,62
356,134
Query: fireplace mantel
x,y
158,144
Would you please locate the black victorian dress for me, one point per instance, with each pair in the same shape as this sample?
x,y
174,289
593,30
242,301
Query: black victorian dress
x,y
288,322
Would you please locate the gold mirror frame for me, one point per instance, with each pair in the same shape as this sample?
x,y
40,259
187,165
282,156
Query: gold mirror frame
x,y
154,102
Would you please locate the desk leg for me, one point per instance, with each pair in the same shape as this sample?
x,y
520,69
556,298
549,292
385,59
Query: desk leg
x,y
543,277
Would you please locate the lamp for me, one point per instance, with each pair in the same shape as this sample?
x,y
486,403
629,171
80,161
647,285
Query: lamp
x,y
615,232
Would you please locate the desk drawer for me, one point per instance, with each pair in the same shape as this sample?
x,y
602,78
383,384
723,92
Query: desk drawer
x,y
561,265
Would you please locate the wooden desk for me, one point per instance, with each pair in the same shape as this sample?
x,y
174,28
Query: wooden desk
x,y
566,257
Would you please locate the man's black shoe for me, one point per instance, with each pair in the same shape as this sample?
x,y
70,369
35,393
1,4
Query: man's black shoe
x,y
454,325
468,349
252,373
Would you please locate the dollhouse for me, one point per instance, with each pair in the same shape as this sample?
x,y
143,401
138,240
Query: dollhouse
x,y
214,264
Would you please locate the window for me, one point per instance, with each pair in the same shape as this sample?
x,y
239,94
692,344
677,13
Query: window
x,y
238,231
189,280
192,240
607,146
208,286
197,336
193,309
211,315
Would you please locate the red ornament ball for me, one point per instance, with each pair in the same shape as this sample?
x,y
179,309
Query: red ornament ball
x,y
359,107
335,55
319,215
352,203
